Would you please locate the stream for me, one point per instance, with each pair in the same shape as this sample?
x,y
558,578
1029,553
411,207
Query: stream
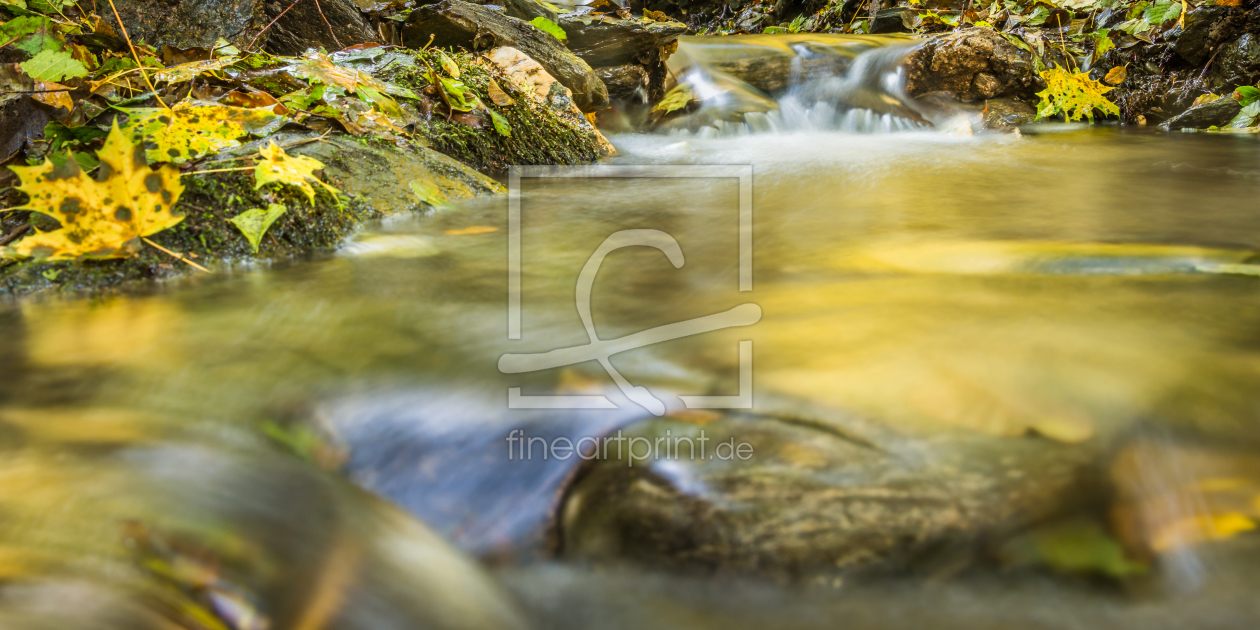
x,y
964,341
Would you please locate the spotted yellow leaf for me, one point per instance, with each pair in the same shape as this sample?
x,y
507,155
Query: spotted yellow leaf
x,y
276,166
103,217
1073,94
190,130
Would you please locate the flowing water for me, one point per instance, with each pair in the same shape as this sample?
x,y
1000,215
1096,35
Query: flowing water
x,y
982,306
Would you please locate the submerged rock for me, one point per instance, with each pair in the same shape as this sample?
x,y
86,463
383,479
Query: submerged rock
x,y
455,23
799,496
971,64
1214,113
141,526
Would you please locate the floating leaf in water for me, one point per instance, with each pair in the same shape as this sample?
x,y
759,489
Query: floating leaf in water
x,y
471,230
1117,75
1073,546
500,123
189,130
547,26
254,223
54,66
1073,94
498,96
279,167
100,218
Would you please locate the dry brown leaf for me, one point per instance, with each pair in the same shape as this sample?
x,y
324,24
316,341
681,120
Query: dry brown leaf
x,y
498,96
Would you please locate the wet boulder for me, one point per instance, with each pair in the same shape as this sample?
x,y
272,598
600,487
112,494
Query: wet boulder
x,y
895,20
1238,62
627,83
331,25
1213,113
190,23
1206,28
971,64
455,23
382,174
607,41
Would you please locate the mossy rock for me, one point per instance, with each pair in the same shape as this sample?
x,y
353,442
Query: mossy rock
x,y
375,175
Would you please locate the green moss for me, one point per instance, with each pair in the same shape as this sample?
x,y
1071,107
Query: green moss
x,y
208,202
539,134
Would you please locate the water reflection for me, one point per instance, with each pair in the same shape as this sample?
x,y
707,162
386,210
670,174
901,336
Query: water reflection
x,y
920,292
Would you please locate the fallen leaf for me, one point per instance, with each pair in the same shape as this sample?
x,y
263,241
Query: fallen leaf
x,y
549,27
428,194
279,167
53,66
475,229
498,96
1204,98
500,124
189,71
190,130
101,218
1073,94
53,94
254,223
1117,75
448,65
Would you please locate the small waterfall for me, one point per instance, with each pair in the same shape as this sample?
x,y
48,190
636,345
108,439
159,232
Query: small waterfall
x,y
792,83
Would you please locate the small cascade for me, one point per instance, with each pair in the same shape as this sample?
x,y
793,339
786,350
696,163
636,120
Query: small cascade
x,y
756,84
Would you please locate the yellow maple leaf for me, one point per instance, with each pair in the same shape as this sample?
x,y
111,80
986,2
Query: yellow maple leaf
x,y
101,218
1073,94
276,166
189,130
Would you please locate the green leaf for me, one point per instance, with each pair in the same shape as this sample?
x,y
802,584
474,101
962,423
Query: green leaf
x,y
54,66
60,135
254,223
224,48
1134,26
1247,117
31,34
448,65
1161,12
547,26
1038,16
1246,95
458,95
500,123
428,194
21,4
1101,47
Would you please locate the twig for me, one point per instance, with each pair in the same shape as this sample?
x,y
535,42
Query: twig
x,y
136,56
330,28
264,29
36,91
178,256
13,236
224,170
318,138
